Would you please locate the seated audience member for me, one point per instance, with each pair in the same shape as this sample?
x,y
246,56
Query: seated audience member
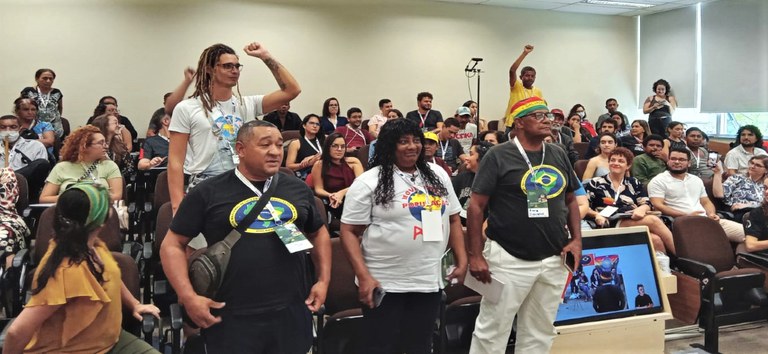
x,y
694,138
331,118
77,293
579,110
559,136
622,128
111,109
474,119
652,162
675,136
492,136
749,142
424,116
450,149
430,149
83,160
756,227
612,106
334,173
634,140
739,192
598,165
158,115
378,119
467,131
462,183
608,126
306,150
580,134
26,110
354,136
155,149
626,194
675,192
283,119
117,150
392,115
123,120
26,157
14,232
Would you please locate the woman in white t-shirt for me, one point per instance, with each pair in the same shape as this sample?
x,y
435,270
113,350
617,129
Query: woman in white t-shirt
x,y
406,213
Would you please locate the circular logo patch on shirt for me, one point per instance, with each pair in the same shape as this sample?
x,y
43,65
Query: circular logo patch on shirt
x,y
417,203
264,223
547,177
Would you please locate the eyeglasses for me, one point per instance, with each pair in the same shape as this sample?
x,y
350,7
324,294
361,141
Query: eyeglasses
x,y
99,143
751,163
313,123
231,66
540,116
678,159
338,146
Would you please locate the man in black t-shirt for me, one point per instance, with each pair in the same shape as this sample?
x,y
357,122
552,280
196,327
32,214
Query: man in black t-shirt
x,y
284,119
526,237
755,227
264,288
425,117
642,299
449,149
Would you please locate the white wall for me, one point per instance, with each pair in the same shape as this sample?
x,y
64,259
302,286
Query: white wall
x,y
356,52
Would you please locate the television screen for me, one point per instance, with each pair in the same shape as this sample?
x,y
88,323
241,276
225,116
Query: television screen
x,y
617,278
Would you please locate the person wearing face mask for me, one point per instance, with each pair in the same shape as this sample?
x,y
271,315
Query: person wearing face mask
x,y
563,135
27,157
579,110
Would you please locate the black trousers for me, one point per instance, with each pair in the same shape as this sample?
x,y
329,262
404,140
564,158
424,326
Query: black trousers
x,y
35,172
285,331
659,125
404,322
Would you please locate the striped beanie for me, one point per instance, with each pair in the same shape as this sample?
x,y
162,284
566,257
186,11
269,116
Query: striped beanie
x,y
526,106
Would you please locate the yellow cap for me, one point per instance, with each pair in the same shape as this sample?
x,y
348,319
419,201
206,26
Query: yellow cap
x,y
431,136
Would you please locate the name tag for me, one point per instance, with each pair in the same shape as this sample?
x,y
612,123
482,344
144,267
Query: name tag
x,y
538,206
432,225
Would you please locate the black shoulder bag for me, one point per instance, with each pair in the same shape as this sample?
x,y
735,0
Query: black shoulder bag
x,y
206,271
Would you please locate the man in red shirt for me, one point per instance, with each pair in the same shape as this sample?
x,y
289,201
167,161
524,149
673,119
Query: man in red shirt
x,y
353,135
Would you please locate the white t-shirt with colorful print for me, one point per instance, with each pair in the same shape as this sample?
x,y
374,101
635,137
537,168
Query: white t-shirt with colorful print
x,y
392,245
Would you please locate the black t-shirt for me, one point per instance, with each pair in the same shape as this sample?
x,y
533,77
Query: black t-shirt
x,y
500,175
292,121
450,151
262,275
156,146
756,227
430,121
643,300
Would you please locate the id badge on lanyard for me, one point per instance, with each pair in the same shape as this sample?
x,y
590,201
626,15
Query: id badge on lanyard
x,y
538,205
431,216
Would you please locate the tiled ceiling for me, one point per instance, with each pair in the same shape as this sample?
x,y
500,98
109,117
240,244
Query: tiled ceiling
x,y
581,6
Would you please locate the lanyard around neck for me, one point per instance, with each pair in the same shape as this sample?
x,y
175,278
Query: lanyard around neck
x,y
412,183
317,148
424,119
247,183
528,161
618,190
443,148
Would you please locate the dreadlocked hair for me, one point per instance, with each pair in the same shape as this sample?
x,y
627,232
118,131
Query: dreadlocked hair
x,y
204,75
385,156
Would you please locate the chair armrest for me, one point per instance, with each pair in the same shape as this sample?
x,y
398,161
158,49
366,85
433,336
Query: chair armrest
x,y
20,258
724,214
695,269
147,251
148,323
176,317
758,259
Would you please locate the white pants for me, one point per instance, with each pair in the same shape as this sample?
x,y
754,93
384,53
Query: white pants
x,y
733,230
532,291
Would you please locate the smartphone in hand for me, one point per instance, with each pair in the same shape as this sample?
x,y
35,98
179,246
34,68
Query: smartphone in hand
x,y
569,262
712,159
378,296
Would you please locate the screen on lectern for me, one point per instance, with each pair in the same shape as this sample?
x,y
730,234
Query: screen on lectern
x,y
617,278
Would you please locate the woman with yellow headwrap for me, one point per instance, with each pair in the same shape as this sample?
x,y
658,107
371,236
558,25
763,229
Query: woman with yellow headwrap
x,y
77,292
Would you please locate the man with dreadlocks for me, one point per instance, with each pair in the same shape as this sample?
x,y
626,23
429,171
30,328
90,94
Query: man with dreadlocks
x,y
528,187
204,127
